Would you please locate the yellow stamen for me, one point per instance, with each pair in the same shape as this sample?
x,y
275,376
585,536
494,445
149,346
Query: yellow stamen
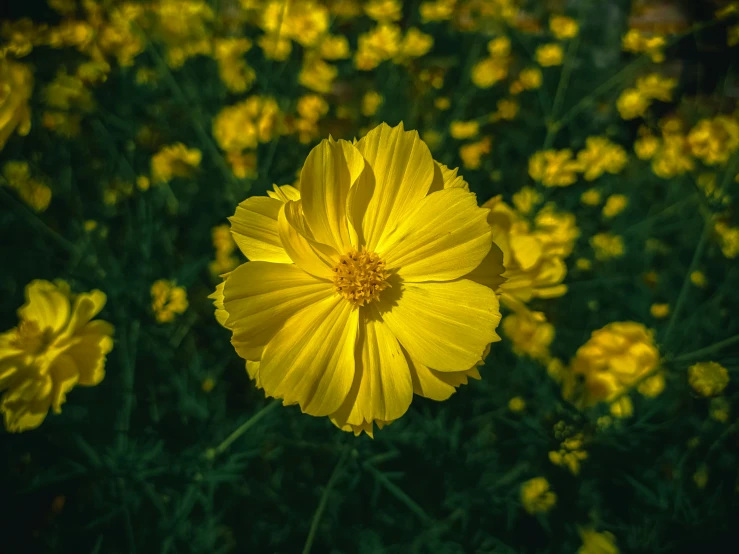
x,y
360,277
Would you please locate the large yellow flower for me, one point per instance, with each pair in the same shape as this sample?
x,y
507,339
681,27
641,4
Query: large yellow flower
x,y
55,347
366,285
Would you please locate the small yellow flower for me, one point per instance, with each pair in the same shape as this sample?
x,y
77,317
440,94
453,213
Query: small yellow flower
x,y
714,141
516,404
548,55
246,124
499,47
529,333
275,47
632,104
656,87
526,199
55,347
384,10
16,87
638,43
208,384
537,496
659,311
728,238
571,451
530,78
708,378
591,197
334,47
464,129
553,168
415,44
442,103
175,160
646,147
473,152
305,22
34,192
563,27
312,107
698,278
594,542
167,300
317,75
615,204
235,73
607,246
437,10
599,156
700,477
489,71
584,264
719,409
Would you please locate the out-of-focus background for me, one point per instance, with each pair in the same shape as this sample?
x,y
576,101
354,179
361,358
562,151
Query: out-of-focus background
x,y
606,419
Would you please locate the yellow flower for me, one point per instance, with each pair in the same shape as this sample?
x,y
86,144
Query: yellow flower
x,y
656,87
438,10
537,496
499,47
526,199
473,152
548,55
638,43
167,300
714,141
583,264
16,87
732,35
312,107
571,450
234,71
246,124
533,257
615,204
464,129
305,22
614,359
371,101
517,404
607,246
175,160
184,26
442,103
529,333
489,71
728,238
378,45
563,27
275,47
708,378
34,192
207,385
224,246
384,10
594,542
353,279
317,75
632,104
599,156
507,110
553,168
698,278
54,347
415,44
334,47
646,147
591,197
659,311
700,477
530,78
673,158
719,409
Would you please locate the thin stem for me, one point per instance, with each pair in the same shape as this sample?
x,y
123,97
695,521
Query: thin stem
x,y
324,500
129,342
706,351
211,453
398,493
553,128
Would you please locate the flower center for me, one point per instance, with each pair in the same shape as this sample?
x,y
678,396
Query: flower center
x,y
360,277
30,339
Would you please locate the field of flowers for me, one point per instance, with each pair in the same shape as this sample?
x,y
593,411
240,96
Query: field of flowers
x,y
342,276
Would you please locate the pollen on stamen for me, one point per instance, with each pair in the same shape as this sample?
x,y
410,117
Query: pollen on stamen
x,y
360,277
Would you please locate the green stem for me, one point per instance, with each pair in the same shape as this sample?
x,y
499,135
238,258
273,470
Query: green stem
x,y
322,503
553,127
211,453
708,350
398,493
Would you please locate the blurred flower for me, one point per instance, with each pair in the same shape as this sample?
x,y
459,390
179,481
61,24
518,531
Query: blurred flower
x,y
54,347
530,78
437,10
464,129
714,141
275,47
507,110
599,156
34,192
616,358
594,542
615,204
659,311
371,101
442,103
656,87
639,43
526,199
563,27
698,278
591,197
553,168
728,239
529,333
244,125
536,496
337,297
646,146
583,264
673,158
312,107
548,55
224,246
235,73
607,246
473,152
516,404
167,300
175,160
383,10
334,47
499,47
489,71
708,378
378,45
317,75
632,104
207,385
719,409
184,27
700,477
304,22
16,87
415,45
571,449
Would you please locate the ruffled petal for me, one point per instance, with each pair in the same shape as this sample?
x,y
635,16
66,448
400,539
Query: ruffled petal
x,y
382,388
64,376
403,170
46,305
445,178
86,306
91,345
284,193
306,252
491,269
254,229
310,361
330,170
259,297
217,297
437,385
443,325
446,237
25,406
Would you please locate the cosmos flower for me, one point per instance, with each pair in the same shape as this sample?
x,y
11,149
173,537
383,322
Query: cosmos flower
x,y
368,284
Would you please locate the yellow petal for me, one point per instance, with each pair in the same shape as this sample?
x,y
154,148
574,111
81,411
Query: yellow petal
x,y
217,297
45,305
25,406
382,388
403,171
526,249
254,229
490,271
285,193
252,369
446,237
259,297
310,361
92,344
437,385
330,170
64,376
86,306
445,178
443,325
306,252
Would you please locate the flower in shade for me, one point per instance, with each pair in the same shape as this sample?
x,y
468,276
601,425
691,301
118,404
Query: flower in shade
x,y
536,496
16,87
369,283
594,542
708,378
55,346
